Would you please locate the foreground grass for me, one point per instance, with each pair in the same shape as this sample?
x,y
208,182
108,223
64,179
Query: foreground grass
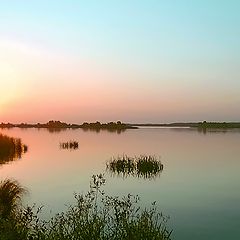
x,y
10,197
93,216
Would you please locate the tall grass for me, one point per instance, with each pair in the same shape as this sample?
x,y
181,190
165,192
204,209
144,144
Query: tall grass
x,y
94,216
10,197
11,148
144,166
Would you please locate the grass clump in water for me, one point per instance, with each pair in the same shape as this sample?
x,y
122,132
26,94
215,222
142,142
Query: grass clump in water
x,y
11,148
72,145
144,166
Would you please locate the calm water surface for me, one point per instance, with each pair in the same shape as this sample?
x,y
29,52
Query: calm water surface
x,y
199,187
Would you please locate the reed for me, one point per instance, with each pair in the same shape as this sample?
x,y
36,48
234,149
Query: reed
x,y
10,197
72,145
143,166
11,148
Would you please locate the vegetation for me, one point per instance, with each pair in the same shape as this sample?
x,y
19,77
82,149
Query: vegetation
x,y
119,126
6,125
56,126
10,197
147,167
110,126
94,216
218,125
200,125
11,148
73,145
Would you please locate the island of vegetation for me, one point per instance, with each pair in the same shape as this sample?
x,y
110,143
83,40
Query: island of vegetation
x,y
56,125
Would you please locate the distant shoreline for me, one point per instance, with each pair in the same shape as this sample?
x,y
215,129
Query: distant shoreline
x,y
118,126
123,126
199,125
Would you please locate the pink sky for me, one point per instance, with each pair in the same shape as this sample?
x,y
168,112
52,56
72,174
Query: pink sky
x,y
90,63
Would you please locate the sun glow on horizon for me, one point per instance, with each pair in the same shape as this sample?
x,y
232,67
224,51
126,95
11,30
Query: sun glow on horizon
x,y
153,61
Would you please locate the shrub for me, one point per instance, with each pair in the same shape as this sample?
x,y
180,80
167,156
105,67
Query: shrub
x,y
93,216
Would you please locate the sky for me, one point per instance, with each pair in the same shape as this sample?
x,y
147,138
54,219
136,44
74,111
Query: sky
x,y
136,61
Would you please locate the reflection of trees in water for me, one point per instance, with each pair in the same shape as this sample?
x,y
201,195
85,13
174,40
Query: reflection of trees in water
x,y
147,167
98,130
56,130
11,148
72,145
218,130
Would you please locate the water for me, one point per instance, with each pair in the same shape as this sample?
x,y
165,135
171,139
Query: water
x,y
198,187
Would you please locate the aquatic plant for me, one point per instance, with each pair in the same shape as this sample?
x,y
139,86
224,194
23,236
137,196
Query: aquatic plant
x,y
148,166
122,165
73,145
144,166
11,148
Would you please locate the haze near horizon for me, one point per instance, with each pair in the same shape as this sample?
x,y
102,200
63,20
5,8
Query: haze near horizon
x,y
134,61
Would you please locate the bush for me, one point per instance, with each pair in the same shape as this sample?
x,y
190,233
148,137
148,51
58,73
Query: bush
x,y
94,216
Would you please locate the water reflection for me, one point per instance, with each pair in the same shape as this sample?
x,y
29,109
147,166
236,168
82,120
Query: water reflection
x,y
216,130
197,185
203,130
11,148
96,130
146,167
56,130
110,130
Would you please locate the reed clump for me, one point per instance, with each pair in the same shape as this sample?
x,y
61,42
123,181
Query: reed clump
x,y
11,148
143,166
72,145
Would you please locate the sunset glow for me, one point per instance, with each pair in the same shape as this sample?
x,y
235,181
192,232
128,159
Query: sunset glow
x,y
119,119
138,62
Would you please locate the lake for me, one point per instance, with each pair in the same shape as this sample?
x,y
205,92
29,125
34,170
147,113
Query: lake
x,y
198,188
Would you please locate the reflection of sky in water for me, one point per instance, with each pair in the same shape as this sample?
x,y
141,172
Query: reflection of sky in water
x,y
198,187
